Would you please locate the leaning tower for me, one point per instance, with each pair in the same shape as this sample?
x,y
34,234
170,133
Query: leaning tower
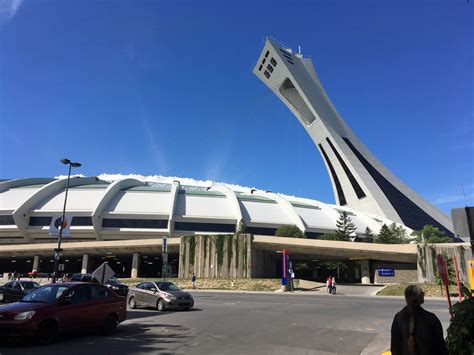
x,y
358,179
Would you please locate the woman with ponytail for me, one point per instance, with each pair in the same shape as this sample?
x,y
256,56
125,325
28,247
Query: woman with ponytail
x,y
416,331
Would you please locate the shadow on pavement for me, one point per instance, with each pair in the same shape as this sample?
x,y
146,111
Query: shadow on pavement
x,y
130,338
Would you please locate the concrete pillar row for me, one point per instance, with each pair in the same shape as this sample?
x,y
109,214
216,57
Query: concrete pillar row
x,y
135,265
85,264
365,271
36,261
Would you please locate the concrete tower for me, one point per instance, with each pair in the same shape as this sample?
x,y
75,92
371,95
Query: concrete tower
x,y
358,179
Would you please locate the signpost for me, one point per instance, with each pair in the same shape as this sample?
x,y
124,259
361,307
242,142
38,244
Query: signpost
x,y
443,273
103,273
457,277
471,275
164,255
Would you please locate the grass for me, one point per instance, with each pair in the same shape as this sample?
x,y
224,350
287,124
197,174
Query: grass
x,y
431,290
218,284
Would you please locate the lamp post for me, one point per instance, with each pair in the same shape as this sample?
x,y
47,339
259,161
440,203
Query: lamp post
x,y
57,251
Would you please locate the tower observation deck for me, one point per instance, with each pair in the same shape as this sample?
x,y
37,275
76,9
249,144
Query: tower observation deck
x,y
358,179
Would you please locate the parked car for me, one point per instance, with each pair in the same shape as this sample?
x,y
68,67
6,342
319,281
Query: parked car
x,y
63,307
114,284
161,295
15,290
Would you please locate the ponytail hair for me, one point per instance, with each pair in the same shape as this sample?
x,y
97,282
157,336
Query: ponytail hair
x,y
413,297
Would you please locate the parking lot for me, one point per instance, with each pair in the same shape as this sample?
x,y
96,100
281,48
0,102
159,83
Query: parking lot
x,y
247,323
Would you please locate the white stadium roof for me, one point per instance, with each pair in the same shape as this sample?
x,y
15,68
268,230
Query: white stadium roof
x,y
112,207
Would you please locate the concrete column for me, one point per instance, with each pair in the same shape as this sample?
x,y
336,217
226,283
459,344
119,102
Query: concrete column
x,y
36,261
135,265
365,271
85,264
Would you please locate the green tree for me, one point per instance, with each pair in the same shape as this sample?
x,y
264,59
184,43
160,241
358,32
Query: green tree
x,y
289,231
345,227
388,235
399,232
431,235
369,235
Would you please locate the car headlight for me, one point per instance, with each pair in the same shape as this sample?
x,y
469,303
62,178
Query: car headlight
x,y
170,297
25,315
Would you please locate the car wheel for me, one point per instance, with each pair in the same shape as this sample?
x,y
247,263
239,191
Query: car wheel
x,y
46,332
161,306
110,324
132,303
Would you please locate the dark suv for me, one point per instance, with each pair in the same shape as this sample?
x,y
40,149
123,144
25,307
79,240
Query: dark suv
x,y
114,284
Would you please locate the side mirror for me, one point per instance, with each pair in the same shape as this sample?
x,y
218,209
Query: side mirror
x,y
153,289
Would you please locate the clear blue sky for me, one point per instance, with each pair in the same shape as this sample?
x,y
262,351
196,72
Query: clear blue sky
x,y
165,87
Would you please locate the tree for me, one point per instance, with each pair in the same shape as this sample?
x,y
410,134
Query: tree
x,y
389,235
399,232
289,231
369,236
345,227
431,235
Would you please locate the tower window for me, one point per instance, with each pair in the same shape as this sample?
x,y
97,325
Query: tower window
x,y
266,54
270,68
260,67
267,74
263,61
273,62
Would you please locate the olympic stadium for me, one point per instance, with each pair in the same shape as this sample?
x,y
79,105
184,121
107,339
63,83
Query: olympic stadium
x,y
123,221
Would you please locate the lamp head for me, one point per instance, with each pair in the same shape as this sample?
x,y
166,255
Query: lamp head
x,y
76,165
65,161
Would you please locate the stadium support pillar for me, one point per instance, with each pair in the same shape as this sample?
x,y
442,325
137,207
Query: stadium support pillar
x,y
36,261
365,271
135,265
85,263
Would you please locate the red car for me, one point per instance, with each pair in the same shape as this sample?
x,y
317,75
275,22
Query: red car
x,y
63,307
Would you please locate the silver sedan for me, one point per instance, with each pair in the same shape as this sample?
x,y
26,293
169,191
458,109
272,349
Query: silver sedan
x,y
161,295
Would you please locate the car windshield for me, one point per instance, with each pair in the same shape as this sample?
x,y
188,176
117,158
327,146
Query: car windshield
x,y
167,286
30,285
113,280
45,294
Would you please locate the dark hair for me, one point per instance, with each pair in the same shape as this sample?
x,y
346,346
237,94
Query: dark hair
x,y
413,297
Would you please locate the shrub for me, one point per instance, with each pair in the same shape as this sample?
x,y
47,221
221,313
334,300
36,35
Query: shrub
x,y
289,231
460,339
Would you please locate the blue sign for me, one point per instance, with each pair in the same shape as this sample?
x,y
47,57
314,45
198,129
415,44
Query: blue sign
x,y
387,272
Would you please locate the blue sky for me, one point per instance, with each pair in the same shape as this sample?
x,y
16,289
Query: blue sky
x,y
165,88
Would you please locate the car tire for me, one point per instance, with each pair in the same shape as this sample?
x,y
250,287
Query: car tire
x,y
47,332
110,324
161,305
132,302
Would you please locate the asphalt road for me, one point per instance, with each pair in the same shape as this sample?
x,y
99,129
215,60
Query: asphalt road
x,y
247,323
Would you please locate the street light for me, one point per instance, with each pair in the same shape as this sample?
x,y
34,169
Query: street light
x,y
57,251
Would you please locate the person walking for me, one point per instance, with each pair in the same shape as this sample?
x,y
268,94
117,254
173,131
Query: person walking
x,y
333,284
416,331
193,280
329,284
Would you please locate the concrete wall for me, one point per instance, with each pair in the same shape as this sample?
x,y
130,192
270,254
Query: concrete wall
x,y
264,264
427,263
216,256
